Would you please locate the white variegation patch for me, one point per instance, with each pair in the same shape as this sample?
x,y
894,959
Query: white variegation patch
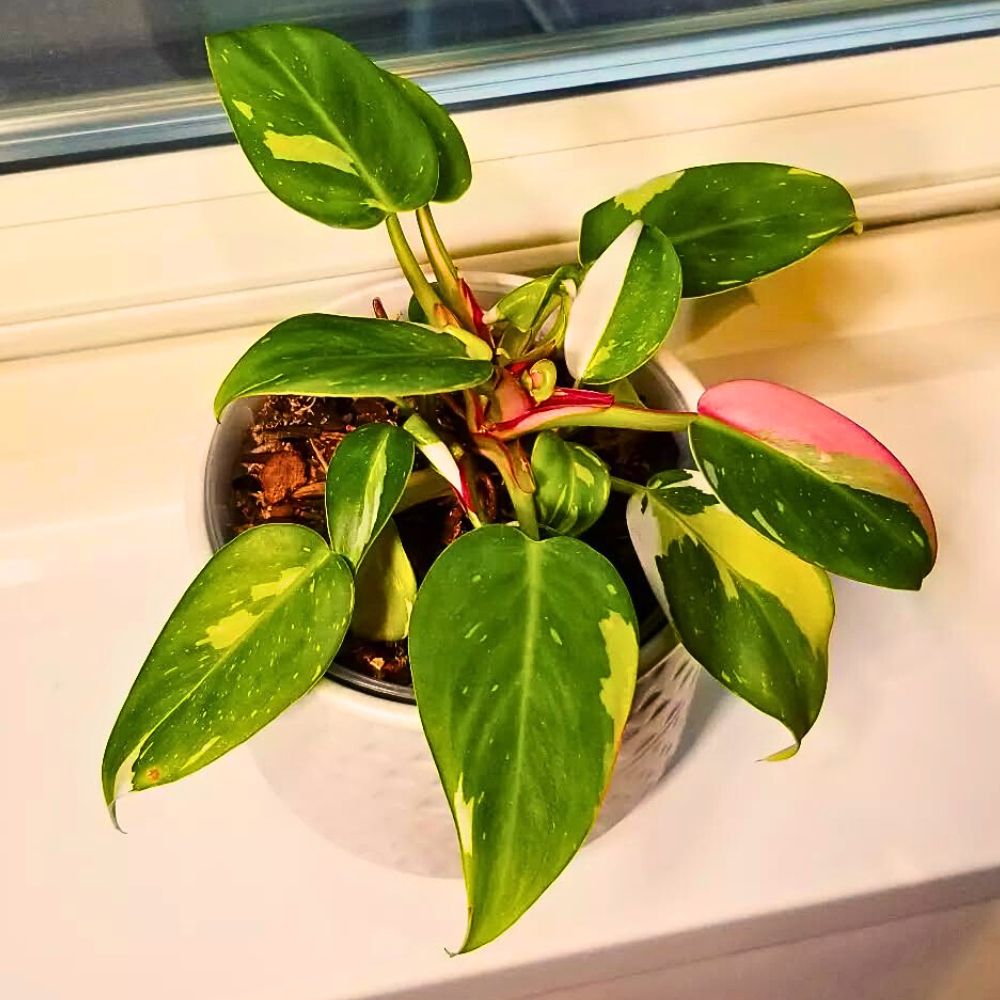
x,y
596,301
435,451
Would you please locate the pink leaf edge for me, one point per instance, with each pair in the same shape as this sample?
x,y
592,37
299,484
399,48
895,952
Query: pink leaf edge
x,y
777,414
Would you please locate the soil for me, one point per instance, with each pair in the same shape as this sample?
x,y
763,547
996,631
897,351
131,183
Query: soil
x,y
280,476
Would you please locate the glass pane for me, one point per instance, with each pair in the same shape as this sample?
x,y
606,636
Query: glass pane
x,y
81,76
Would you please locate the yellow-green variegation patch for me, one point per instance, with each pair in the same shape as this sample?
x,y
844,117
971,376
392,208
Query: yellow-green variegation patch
x,y
256,629
755,616
729,222
572,484
366,479
625,306
815,482
325,129
524,659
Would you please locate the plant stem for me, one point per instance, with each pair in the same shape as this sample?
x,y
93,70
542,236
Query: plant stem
x,y
437,252
524,508
444,267
626,486
422,289
509,461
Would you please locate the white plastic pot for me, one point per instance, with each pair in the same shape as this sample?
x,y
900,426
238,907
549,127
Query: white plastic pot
x,y
353,763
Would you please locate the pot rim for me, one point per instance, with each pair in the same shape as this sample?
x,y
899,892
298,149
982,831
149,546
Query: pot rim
x,y
382,702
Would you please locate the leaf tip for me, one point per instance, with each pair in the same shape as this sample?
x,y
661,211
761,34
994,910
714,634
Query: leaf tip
x,y
787,754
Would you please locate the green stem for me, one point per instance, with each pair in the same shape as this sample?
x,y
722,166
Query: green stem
x,y
524,508
626,486
423,485
444,267
624,417
507,459
422,289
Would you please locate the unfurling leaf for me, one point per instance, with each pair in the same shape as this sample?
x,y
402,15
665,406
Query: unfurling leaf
x,y
366,479
252,634
815,482
437,452
625,307
325,129
757,618
572,484
730,222
322,355
524,660
385,589
454,167
526,306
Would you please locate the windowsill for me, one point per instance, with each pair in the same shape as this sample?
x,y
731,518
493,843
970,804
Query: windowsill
x,y
889,810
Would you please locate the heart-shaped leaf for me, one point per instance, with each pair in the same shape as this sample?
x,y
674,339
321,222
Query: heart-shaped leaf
x,y
324,128
366,479
815,482
524,660
454,167
730,222
252,634
321,355
754,616
625,306
385,589
572,484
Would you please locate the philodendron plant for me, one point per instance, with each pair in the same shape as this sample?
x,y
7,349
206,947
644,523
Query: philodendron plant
x,y
522,640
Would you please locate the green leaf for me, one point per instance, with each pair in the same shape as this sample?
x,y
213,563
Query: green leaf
x,y
454,166
324,128
321,355
385,589
252,634
625,307
754,616
815,482
524,660
730,222
572,484
528,304
364,483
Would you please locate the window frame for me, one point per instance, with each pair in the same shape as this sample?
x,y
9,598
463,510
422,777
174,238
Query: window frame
x,y
177,243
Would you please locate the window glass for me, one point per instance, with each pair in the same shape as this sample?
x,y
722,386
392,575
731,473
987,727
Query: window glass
x,y
78,77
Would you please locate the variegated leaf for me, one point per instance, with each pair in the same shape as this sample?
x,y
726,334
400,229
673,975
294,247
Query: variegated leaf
x,y
385,589
437,452
454,166
322,355
524,660
729,222
572,484
526,305
256,629
366,479
325,129
625,307
757,618
815,482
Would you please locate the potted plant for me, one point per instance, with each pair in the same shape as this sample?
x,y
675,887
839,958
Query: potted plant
x,y
522,638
